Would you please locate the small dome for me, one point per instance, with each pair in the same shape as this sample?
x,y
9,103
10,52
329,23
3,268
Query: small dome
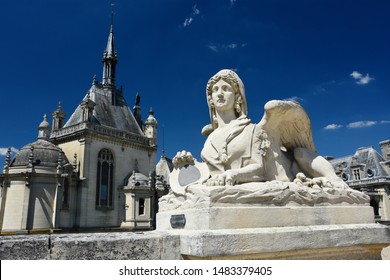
x,y
151,120
138,177
137,181
44,153
44,123
44,129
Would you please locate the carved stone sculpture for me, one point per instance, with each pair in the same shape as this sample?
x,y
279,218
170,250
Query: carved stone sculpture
x,y
273,162
257,179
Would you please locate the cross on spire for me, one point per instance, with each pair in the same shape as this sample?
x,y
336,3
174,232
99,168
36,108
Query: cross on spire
x,y
109,56
112,13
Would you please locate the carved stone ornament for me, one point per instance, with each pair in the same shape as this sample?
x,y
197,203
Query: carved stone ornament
x,y
272,162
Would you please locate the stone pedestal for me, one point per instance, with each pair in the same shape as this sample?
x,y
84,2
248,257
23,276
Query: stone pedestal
x,y
272,221
326,242
240,217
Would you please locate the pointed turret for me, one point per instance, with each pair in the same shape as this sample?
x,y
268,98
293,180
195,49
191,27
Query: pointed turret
x,y
151,127
58,117
109,61
87,106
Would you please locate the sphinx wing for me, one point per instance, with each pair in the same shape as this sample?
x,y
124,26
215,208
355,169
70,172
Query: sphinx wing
x,y
288,122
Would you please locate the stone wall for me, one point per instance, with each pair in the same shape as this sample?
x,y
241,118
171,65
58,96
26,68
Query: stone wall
x,y
91,246
316,242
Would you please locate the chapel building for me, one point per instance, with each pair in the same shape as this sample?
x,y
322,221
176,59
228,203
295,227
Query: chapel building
x,y
94,171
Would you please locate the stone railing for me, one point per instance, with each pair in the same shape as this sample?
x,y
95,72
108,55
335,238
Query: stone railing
x,y
369,181
68,130
120,134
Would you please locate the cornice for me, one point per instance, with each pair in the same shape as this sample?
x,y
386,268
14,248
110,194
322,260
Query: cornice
x,y
100,132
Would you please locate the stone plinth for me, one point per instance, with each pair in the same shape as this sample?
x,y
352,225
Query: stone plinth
x,y
273,220
261,205
363,241
236,217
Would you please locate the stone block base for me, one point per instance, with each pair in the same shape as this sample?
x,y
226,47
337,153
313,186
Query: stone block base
x,y
362,241
239,217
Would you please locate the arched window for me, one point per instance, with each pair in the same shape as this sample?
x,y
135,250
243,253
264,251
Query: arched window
x,y
104,180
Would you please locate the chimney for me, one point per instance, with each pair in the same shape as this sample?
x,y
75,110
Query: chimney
x,y
385,147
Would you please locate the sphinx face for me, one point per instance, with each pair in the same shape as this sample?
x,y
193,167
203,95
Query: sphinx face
x,y
223,96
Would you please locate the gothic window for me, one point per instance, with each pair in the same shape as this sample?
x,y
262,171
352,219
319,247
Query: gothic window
x,y
104,180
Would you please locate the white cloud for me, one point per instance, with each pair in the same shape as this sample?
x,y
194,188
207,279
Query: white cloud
x,y
213,47
365,80
190,19
356,75
3,151
232,2
323,87
218,47
361,124
333,126
187,21
195,10
358,124
232,46
360,78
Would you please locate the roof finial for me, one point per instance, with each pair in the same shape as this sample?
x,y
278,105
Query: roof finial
x,y
137,99
112,14
7,161
44,129
163,143
94,81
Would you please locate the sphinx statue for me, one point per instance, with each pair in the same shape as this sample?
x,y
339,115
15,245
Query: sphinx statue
x,y
273,161
279,147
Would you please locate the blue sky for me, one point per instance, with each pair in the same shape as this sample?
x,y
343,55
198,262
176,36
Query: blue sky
x,y
330,55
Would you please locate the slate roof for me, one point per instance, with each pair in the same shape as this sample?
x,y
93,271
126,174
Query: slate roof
x,y
164,167
368,158
117,116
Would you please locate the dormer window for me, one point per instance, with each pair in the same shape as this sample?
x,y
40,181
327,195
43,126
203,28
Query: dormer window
x,y
356,174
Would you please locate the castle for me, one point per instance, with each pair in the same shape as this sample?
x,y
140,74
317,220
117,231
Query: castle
x,y
368,171
94,171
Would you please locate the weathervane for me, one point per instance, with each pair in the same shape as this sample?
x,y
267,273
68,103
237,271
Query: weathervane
x,y
112,13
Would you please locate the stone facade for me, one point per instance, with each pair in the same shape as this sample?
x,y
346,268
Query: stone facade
x,y
88,182
34,185
369,172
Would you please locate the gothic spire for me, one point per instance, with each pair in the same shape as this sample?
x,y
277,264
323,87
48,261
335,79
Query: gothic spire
x,y
110,57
